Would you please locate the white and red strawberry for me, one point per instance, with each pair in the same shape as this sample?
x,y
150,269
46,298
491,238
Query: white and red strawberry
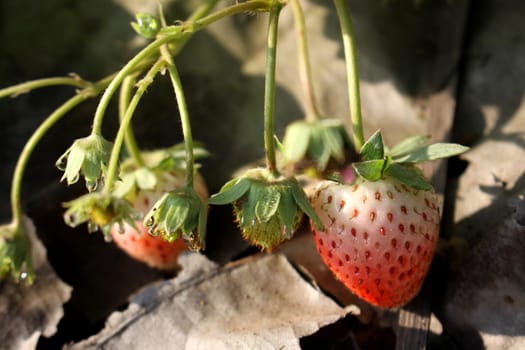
x,y
138,243
379,237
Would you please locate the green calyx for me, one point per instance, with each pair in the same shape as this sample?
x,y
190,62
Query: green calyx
x,y
179,213
174,158
142,178
268,209
320,140
15,253
146,25
99,210
134,176
88,156
400,161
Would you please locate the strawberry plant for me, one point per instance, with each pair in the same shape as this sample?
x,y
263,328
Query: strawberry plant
x,y
376,222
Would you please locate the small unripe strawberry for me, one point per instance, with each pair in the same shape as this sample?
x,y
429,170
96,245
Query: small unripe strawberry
x,y
139,243
268,208
151,250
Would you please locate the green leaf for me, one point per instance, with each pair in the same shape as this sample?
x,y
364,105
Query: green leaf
x,y
15,253
318,148
371,170
91,167
296,140
231,191
75,159
334,142
246,207
146,179
267,203
170,220
373,148
408,175
432,152
203,219
178,151
408,145
125,186
304,204
192,217
287,212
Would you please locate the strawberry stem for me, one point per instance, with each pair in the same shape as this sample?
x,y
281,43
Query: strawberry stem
x,y
250,5
269,89
312,112
351,70
129,135
22,88
130,68
143,84
129,81
16,185
183,112
203,10
177,33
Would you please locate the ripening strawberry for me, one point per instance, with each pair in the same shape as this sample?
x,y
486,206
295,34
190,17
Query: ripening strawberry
x,y
380,232
138,243
151,250
379,237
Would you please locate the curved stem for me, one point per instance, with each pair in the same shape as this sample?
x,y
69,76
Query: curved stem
x,y
162,18
199,13
203,10
129,135
179,32
40,83
30,145
128,69
351,71
143,84
202,22
269,89
184,115
305,72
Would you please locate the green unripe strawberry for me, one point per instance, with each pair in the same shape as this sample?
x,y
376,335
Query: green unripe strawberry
x,y
268,208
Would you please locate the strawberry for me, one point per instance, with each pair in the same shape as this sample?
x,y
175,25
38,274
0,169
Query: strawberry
x,y
152,250
136,241
379,237
268,208
380,231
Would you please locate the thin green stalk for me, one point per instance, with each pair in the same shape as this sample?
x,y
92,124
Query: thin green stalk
x,y
269,89
161,14
143,84
40,83
200,23
30,145
184,115
165,36
203,10
128,69
251,5
351,71
305,72
199,13
129,136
